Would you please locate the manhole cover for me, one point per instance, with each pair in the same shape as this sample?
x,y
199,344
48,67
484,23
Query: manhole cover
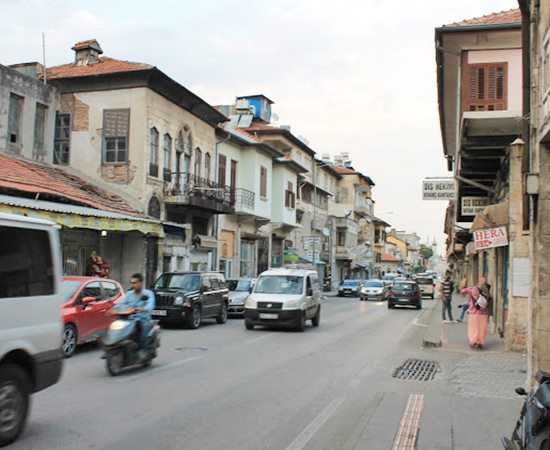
x,y
416,369
191,349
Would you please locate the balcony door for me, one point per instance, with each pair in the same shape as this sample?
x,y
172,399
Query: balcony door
x,y
233,180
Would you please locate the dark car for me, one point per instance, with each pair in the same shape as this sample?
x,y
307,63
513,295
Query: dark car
x,y
239,290
190,297
350,287
404,293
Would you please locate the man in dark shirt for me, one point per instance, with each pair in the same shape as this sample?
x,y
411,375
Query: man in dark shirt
x,y
446,297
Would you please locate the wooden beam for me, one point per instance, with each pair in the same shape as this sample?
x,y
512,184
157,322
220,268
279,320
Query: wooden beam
x,y
475,184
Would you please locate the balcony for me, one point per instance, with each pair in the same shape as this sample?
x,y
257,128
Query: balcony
x,y
203,242
189,190
244,202
342,253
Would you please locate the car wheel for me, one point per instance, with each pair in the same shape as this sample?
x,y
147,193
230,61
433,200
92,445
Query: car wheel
x,y
301,325
193,320
317,318
248,324
222,318
15,388
70,339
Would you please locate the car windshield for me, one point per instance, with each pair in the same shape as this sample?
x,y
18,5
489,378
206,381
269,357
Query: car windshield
x,y
68,288
243,286
279,284
374,284
231,284
185,282
403,286
351,282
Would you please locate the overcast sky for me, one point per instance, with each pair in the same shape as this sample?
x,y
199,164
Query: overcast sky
x,y
356,76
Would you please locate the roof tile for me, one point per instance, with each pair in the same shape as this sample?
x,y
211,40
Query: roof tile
x,y
511,16
28,176
104,66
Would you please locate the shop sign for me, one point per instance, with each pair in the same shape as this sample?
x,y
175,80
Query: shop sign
x,y
490,238
473,205
438,189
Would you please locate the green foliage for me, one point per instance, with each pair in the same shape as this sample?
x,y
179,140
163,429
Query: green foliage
x,y
426,251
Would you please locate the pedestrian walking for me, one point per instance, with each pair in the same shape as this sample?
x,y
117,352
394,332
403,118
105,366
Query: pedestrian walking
x,y
466,304
478,317
446,298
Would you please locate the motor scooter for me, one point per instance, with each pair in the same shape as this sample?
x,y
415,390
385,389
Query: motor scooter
x,y
532,431
120,344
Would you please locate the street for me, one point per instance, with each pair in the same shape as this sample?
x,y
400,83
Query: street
x,y
222,387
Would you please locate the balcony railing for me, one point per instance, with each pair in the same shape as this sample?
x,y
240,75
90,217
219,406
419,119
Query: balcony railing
x,y
200,191
244,200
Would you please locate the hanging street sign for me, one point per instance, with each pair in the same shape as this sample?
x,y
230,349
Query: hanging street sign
x,y
473,205
438,189
490,238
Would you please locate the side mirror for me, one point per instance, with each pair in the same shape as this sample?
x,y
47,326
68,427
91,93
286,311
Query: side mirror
x,y
88,300
521,391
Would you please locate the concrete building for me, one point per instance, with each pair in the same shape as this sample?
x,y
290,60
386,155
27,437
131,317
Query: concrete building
x,y
536,159
135,131
480,106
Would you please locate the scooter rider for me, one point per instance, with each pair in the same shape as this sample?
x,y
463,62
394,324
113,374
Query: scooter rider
x,y
143,301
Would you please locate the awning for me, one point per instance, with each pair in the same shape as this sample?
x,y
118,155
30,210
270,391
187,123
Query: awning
x,y
72,216
491,217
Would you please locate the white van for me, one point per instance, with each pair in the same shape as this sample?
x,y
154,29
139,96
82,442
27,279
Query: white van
x,y
30,316
286,297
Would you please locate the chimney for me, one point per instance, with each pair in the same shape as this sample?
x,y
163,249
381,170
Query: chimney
x,y
86,52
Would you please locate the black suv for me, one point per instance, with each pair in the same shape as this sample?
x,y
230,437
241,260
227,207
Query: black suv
x,y
189,297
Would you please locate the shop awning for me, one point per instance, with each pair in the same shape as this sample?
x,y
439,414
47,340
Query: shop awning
x,y
491,217
72,216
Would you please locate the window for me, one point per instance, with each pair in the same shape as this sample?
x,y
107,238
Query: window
x,y
39,126
116,124
485,87
341,238
263,182
290,196
110,290
167,158
14,119
92,289
200,226
222,167
206,283
62,139
198,162
154,152
207,166
26,266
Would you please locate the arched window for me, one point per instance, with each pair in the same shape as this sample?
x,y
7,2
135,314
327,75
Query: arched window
x,y
198,163
154,152
153,208
207,166
167,157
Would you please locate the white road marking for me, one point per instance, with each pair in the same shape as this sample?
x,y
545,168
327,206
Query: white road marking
x,y
315,425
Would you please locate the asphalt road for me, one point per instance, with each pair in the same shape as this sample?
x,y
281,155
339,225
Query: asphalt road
x,y
223,387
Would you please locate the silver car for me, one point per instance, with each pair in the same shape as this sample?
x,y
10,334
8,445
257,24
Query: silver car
x,y
239,290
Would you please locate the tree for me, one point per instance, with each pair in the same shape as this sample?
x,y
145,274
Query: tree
x,y
426,251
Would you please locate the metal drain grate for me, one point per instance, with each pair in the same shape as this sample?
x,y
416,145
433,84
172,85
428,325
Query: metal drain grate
x,y
417,369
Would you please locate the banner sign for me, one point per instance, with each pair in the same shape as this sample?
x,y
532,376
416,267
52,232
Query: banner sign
x,y
491,238
438,189
473,205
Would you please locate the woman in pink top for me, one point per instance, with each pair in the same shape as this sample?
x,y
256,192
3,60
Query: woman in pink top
x,y
478,318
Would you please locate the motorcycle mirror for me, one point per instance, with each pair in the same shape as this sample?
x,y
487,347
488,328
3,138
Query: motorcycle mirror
x,y
521,391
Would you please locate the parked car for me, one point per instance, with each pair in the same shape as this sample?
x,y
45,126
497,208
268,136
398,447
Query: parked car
x,y
350,287
84,313
30,324
404,293
374,290
286,297
427,285
239,290
189,297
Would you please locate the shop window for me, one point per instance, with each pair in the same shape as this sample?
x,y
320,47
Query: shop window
x,y
62,139
116,124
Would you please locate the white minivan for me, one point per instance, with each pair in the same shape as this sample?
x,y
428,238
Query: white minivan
x,y
285,297
30,316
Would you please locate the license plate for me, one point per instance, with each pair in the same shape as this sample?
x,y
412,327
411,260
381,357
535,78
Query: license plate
x,y
268,316
159,312
403,300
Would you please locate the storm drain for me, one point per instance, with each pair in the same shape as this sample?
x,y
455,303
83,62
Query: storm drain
x,y
416,369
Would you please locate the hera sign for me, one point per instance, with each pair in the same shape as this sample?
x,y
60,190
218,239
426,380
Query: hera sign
x,y
490,238
438,189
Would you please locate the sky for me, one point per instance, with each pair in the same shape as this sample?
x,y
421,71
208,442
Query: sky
x,y
354,75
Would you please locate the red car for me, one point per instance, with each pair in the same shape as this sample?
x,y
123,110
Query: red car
x,y
87,300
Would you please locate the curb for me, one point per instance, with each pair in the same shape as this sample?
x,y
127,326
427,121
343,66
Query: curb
x,y
432,337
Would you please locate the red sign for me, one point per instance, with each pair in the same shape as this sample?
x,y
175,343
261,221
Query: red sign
x,y
490,238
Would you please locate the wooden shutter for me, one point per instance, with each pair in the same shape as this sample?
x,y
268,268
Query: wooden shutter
x,y
263,181
485,87
222,163
116,122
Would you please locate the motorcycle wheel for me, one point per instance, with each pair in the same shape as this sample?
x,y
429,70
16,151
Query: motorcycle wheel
x,y
114,362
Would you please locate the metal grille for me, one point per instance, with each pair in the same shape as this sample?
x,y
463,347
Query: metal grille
x,y
270,305
417,369
164,300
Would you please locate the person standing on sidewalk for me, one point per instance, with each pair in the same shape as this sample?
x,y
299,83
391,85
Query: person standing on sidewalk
x,y
478,317
446,298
